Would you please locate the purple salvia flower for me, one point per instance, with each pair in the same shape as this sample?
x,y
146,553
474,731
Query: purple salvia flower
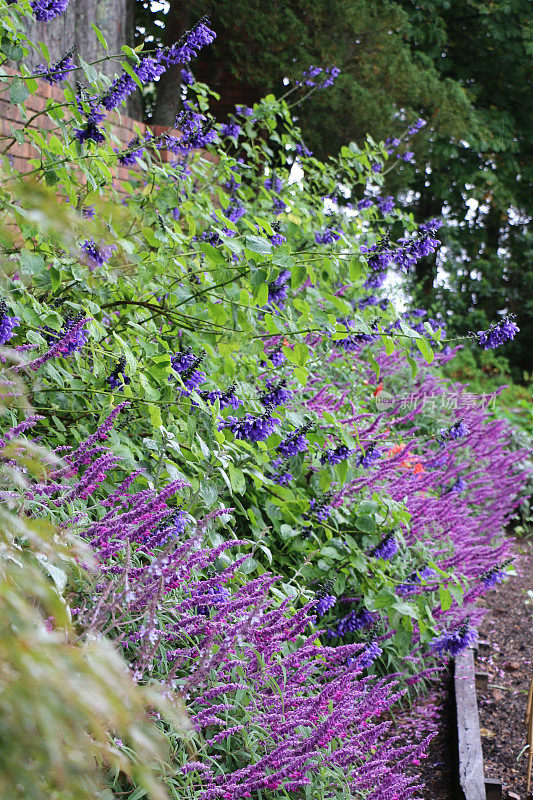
x,y
7,323
336,456
294,443
45,10
118,377
498,334
278,357
57,72
281,474
255,429
453,642
324,603
97,254
273,183
276,394
387,548
327,236
231,129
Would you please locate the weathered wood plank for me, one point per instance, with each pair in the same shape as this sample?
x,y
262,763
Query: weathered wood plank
x,y
471,779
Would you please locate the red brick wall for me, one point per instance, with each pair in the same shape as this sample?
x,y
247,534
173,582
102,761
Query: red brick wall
x,y
123,127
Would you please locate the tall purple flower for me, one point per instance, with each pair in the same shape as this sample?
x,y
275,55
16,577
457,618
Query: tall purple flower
x,y
226,399
294,443
118,377
278,357
231,129
97,254
324,603
327,236
282,474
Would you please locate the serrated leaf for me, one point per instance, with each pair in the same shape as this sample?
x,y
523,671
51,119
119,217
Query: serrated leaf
x,y
258,245
18,91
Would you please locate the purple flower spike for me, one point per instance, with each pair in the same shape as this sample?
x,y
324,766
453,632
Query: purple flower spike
x,y
453,642
58,72
276,394
324,603
336,456
255,429
498,334
7,323
45,10
278,358
387,548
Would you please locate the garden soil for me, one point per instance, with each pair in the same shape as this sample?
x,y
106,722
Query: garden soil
x,y
508,628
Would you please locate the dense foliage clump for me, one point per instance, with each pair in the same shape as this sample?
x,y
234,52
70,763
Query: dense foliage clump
x,y
267,497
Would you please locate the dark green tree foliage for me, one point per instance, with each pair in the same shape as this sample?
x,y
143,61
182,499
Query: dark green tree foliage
x,y
464,66
482,179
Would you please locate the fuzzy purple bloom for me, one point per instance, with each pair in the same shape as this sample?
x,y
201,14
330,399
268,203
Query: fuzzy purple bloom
x,y
293,444
327,236
273,183
281,475
278,358
226,399
324,603
231,129
118,377
97,255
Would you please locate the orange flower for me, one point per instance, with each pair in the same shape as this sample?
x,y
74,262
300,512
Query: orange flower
x,y
419,467
395,450
378,389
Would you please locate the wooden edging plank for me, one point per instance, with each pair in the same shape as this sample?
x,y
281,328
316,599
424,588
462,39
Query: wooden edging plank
x,y
471,777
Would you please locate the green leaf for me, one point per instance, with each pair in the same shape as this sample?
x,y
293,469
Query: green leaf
x,y
412,363
31,263
425,349
100,36
18,91
261,295
89,70
445,598
373,363
258,245
214,256
155,416
457,594
355,269
127,68
238,483
366,524
330,552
